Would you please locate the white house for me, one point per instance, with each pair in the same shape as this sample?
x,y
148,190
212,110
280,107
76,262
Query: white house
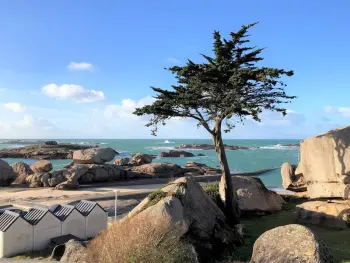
x,y
95,217
72,221
45,226
16,235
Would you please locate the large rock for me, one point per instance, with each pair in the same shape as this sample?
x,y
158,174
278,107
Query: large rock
x,y
290,180
42,166
158,170
173,153
22,170
290,243
141,158
75,251
7,175
334,213
94,156
50,143
185,203
122,161
325,163
253,196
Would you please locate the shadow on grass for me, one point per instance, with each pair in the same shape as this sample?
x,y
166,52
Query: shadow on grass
x,y
337,240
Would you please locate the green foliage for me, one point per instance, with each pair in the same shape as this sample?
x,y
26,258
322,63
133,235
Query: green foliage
x,y
229,86
212,190
155,197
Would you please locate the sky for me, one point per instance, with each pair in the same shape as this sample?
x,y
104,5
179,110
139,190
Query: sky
x,y
78,69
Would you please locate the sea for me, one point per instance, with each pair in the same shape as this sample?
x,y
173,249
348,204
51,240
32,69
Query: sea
x,y
262,155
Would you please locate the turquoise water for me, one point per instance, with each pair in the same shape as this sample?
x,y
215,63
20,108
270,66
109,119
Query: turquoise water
x,y
271,154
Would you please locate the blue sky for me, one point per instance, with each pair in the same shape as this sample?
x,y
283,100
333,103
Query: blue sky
x,y
77,69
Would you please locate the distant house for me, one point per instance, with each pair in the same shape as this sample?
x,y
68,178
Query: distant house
x,y
45,226
16,235
95,217
72,221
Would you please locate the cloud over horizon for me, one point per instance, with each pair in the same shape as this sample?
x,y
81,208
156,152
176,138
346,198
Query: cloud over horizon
x,y
72,92
15,107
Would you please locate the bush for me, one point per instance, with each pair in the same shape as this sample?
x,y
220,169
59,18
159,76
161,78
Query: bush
x,y
212,190
141,239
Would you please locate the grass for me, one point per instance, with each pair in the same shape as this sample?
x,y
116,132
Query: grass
x,y
44,255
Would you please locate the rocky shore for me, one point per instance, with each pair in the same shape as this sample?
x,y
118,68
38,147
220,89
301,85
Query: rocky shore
x,y
44,151
210,147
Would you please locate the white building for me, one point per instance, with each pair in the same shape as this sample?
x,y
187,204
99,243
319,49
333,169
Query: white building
x,y
45,226
16,235
95,217
72,221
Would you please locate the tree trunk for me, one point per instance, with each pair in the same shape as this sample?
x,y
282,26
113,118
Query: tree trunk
x,y
226,189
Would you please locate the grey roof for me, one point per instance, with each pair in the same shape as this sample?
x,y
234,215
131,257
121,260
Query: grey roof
x,y
85,207
36,214
7,219
63,211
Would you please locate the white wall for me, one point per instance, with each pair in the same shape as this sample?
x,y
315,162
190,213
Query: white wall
x,y
74,225
18,239
48,227
96,222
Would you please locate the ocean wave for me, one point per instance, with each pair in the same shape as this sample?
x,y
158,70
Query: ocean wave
x,y
156,148
279,147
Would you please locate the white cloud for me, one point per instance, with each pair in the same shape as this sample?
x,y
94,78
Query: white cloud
x,y
2,89
345,112
174,60
72,92
15,107
328,109
80,66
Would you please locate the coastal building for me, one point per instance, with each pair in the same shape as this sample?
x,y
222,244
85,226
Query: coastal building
x,y
16,234
72,221
95,217
45,226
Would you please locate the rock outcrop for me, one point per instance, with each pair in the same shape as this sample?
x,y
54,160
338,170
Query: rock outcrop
x,y
185,203
141,158
94,155
43,151
7,175
122,161
290,180
22,171
325,164
42,166
173,153
157,170
335,213
290,243
253,196
210,147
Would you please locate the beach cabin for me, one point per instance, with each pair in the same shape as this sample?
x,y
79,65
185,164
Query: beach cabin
x,y
45,226
72,221
16,235
95,217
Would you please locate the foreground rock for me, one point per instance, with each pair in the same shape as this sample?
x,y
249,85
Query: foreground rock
x,y
157,170
94,155
22,171
185,203
43,151
290,243
75,251
42,166
291,181
253,196
7,175
334,213
141,158
325,164
173,153
210,147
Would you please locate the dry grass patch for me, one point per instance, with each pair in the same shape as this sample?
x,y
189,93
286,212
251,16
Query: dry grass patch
x,y
145,238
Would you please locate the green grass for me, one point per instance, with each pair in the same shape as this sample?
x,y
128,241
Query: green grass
x,y
337,241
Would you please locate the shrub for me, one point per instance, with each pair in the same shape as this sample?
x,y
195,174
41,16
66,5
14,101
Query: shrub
x,y
144,238
212,190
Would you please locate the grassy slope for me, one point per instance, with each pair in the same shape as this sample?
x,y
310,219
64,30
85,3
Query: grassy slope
x,y
337,241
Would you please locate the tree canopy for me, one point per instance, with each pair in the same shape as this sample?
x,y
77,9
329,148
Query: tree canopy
x,y
230,85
